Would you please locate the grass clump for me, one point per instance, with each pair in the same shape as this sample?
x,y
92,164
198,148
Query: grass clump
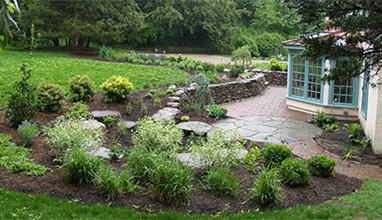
x,y
80,167
220,181
267,189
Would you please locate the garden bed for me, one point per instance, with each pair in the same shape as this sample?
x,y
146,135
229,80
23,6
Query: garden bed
x,y
53,183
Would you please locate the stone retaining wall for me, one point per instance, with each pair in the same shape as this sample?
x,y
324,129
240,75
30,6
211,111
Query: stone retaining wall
x,y
231,91
275,78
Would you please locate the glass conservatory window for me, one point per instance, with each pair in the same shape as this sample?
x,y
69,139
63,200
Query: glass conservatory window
x,y
344,91
306,79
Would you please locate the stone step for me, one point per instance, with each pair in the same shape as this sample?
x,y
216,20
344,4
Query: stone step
x,y
173,104
178,93
195,126
166,114
174,99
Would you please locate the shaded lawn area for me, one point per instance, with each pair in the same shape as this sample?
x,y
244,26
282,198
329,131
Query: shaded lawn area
x,y
57,67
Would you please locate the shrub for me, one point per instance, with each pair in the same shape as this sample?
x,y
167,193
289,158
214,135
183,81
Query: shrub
x,y
267,189
128,109
23,104
153,91
185,118
207,66
217,111
80,167
149,62
219,180
105,52
236,70
109,121
16,160
276,154
220,67
157,102
199,68
221,149
213,77
52,96
294,172
158,62
180,58
82,89
28,132
202,91
171,89
78,111
190,106
321,166
158,136
242,54
171,182
182,65
275,65
160,93
148,95
143,110
190,66
171,58
66,135
116,88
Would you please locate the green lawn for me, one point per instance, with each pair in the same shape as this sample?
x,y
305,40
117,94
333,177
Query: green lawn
x,y
365,204
57,67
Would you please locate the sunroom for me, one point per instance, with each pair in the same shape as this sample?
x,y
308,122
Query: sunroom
x,y
352,99
308,93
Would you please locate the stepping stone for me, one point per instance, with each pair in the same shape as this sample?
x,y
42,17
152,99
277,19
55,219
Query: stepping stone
x,y
195,126
174,99
102,152
166,114
129,124
173,104
100,114
178,93
96,125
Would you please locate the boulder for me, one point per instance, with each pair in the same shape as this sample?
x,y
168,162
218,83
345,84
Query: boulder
x,y
166,114
98,115
195,126
129,124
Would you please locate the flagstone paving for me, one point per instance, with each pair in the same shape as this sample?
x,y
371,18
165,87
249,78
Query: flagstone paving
x,y
267,118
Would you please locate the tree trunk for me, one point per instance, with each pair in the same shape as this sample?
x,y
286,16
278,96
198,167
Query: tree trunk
x,y
56,42
88,43
72,42
81,42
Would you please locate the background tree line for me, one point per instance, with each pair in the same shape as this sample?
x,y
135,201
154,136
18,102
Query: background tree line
x,y
210,24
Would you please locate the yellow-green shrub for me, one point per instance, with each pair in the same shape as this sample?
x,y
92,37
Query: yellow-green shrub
x,y
116,88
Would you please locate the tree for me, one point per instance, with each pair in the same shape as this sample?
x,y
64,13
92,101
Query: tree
x,y
360,20
7,8
214,20
83,21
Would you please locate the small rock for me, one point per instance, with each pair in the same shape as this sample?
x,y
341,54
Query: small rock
x,y
195,126
96,125
102,152
129,124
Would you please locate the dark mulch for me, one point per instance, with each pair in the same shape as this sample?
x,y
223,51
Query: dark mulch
x,y
335,142
53,183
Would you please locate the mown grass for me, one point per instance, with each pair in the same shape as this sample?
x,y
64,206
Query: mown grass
x,y
365,204
57,67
